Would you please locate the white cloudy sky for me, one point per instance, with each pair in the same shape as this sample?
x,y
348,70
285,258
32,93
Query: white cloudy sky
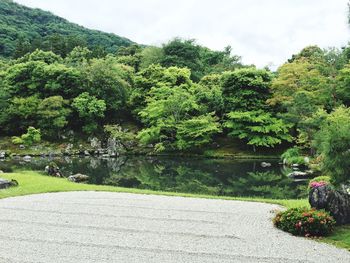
x,y
263,32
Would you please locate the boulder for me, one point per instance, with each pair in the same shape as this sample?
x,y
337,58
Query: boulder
x,y
2,155
337,203
53,170
22,147
27,158
78,178
265,164
300,175
4,183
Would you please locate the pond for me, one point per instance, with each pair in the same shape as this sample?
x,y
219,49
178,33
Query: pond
x,y
186,175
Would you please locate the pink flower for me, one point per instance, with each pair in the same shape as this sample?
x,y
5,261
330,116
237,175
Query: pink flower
x,y
317,184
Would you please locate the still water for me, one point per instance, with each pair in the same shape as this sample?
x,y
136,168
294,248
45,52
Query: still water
x,y
185,175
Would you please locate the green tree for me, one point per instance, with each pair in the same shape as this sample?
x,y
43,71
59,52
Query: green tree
x,y
196,131
258,128
90,109
151,55
245,89
333,143
110,81
172,109
53,113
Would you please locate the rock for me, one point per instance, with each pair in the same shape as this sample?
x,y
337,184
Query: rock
x,y
53,170
22,147
299,175
295,165
264,164
77,178
306,160
4,183
335,202
68,150
27,158
86,153
1,171
2,155
95,143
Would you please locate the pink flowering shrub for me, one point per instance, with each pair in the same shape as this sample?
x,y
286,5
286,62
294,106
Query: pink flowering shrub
x,y
319,181
317,184
305,222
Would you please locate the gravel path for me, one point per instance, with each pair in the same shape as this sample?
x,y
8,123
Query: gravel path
x,y
117,227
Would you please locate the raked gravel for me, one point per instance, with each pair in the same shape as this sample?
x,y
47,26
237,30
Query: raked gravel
x,y
100,227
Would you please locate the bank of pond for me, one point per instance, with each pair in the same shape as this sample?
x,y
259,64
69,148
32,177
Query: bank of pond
x,y
220,177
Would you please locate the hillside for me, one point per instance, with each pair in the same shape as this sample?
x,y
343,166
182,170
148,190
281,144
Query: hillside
x,y
24,29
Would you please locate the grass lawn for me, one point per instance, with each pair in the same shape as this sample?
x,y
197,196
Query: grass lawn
x,y
34,183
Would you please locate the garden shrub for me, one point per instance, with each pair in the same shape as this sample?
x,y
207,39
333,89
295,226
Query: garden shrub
x,y
305,222
319,181
32,136
293,156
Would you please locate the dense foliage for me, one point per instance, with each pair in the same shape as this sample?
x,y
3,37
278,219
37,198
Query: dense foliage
x,y
24,29
305,222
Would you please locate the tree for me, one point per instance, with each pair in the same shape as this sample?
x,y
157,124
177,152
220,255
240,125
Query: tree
x,y
78,56
245,89
183,54
21,113
110,81
258,128
333,144
172,109
90,109
53,113
343,87
197,131
152,77
151,55
209,94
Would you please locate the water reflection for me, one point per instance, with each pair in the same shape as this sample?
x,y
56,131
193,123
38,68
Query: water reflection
x,y
186,175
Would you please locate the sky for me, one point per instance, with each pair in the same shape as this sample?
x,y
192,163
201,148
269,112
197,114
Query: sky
x,y
262,32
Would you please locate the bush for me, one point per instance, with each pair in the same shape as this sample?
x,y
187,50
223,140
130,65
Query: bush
x,y
32,136
292,156
319,181
305,222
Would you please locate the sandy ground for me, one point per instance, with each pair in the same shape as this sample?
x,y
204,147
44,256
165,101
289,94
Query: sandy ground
x,y
118,227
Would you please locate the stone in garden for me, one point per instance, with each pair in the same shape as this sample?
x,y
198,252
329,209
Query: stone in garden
x,y
53,170
95,143
2,155
337,203
265,164
299,175
4,183
22,147
27,158
77,178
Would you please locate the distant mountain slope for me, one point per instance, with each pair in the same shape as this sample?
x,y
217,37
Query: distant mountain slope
x,y
24,28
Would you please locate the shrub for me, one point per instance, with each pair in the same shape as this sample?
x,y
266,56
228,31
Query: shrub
x,y
319,181
292,156
305,222
32,136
